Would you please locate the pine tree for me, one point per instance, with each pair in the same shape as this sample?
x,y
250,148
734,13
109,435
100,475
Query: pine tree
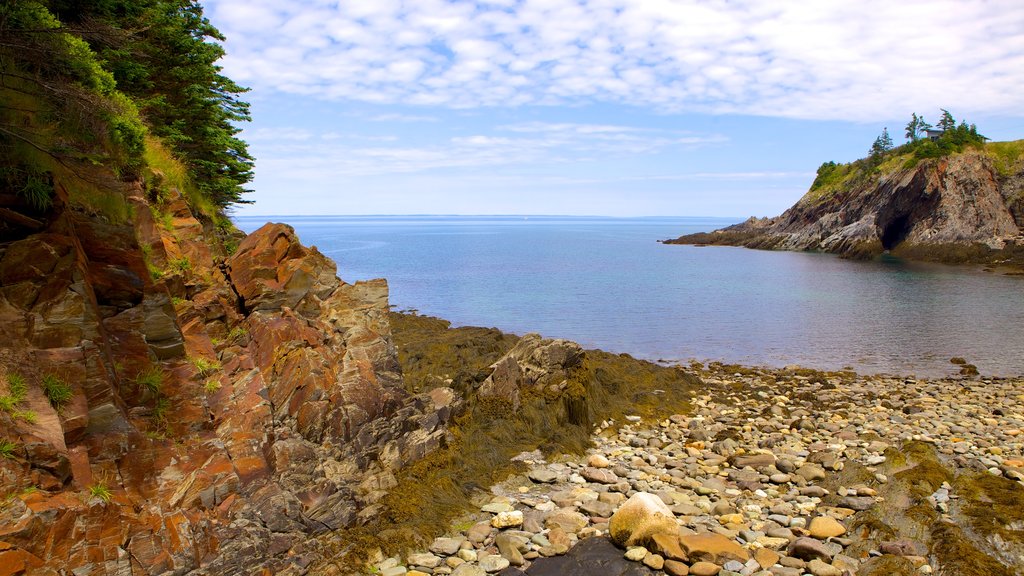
x,y
946,122
882,144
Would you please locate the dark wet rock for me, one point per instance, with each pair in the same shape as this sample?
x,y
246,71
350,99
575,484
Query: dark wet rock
x,y
591,557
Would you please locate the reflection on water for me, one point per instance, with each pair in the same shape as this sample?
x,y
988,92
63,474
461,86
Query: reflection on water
x,y
606,283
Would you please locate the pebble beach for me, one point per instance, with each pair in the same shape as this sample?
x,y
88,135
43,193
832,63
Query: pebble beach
x,y
771,472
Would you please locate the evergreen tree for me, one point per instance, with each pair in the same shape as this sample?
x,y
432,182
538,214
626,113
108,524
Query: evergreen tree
x,y
913,127
163,54
946,122
882,144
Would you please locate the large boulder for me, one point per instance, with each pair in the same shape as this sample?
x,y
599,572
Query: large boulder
x,y
639,519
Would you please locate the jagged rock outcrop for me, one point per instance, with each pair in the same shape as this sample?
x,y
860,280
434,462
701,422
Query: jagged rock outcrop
x,y
534,363
960,207
221,411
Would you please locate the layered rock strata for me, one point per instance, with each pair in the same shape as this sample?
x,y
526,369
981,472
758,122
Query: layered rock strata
x,y
957,208
168,407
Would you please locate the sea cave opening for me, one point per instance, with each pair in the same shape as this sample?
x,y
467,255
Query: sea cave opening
x,y
895,232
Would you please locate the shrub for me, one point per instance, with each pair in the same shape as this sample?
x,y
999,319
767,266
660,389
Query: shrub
x,y
204,366
100,491
57,390
16,386
160,409
212,385
181,265
28,416
7,448
150,379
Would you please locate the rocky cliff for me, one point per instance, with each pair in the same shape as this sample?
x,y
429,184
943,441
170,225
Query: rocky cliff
x,y
166,406
965,207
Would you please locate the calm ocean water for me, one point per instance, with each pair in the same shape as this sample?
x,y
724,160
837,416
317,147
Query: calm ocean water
x,y
606,283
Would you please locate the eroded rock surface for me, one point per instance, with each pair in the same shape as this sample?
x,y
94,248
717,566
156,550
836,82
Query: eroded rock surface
x,y
221,411
933,210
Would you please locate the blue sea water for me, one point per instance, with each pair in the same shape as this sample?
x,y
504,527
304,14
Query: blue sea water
x,y
606,283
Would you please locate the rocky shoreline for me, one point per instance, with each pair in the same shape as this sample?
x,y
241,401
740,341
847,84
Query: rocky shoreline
x,y
773,472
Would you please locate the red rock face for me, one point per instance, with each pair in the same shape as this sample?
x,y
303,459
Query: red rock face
x,y
222,409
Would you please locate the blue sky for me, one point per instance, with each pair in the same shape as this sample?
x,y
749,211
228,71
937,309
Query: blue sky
x,y
598,107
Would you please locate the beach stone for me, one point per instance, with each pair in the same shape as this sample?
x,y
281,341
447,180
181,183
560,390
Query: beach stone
x,y
467,555
846,563
493,563
599,475
635,553
819,568
733,566
765,558
667,545
808,548
426,560
705,569
598,461
468,570
508,546
676,568
823,527
567,519
756,461
640,517
479,532
394,571
446,546
712,547
811,472
598,508
654,561
542,475
858,503
507,519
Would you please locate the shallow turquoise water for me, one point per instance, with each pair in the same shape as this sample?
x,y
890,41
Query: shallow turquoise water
x,y
607,283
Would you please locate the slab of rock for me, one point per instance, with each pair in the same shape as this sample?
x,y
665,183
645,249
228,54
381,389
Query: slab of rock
x,y
823,527
806,548
640,518
591,557
712,547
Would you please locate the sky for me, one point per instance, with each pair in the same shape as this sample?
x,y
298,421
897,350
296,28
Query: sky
x,y
598,107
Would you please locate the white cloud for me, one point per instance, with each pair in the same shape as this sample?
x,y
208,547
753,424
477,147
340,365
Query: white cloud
x,y
532,144
831,59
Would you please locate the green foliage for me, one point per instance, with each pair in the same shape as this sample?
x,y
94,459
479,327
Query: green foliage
x,y
916,127
160,409
28,416
212,385
16,386
8,404
57,390
151,379
1007,156
101,491
7,448
236,333
204,366
882,144
181,265
58,101
163,54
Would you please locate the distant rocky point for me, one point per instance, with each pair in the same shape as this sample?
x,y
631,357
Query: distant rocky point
x,y
966,207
